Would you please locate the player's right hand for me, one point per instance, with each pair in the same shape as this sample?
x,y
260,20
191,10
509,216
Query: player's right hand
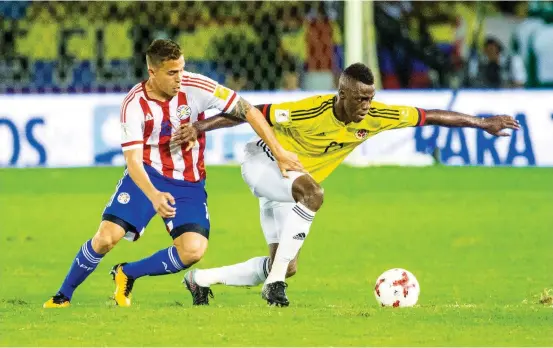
x,y
287,160
161,201
186,133
495,125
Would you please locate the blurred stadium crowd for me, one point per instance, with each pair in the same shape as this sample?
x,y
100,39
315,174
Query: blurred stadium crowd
x,y
274,45
493,44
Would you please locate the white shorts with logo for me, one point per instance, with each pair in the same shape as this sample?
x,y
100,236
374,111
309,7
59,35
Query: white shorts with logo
x,y
262,174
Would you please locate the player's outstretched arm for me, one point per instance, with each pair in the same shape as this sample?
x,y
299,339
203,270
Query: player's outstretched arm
x,y
494,125
160,200
188,133
216,122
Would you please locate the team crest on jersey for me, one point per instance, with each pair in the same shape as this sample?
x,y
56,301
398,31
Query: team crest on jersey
x,y
123,198
184,112
361,134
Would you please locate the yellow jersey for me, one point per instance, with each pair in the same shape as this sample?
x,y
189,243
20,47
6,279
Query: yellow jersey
x,y
309,128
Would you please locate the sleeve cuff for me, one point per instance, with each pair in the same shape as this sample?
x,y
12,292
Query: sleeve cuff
x,y
266,111
132,145
231,103
422,117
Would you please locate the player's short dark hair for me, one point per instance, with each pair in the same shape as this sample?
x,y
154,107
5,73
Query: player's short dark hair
x,y
161,50
359,72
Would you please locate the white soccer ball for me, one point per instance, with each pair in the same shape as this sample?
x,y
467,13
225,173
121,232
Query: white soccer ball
x,y
397,288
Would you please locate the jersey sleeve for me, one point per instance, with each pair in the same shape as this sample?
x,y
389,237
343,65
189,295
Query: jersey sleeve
x,y
132,124
299,114
397,116
209,93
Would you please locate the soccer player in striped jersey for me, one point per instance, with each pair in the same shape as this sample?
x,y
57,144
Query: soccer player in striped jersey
x,y
322,130
163,177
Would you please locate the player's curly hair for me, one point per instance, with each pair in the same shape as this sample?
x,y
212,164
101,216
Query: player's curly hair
x,y
359,72
161,50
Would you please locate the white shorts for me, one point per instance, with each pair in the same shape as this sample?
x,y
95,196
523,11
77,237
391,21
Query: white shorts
x,y
262,174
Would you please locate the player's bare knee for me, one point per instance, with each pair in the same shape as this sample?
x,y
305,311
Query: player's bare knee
x,y
315,199
191,248
190,256
103,242
107,237
308,192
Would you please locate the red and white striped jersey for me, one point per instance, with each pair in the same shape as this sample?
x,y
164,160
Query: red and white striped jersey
x,y
148,124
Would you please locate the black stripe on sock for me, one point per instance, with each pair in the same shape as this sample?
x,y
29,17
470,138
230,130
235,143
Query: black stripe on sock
x,y
266,267
305,212
302,214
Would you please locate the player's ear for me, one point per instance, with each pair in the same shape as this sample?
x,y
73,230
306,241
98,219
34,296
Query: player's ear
x,y
151,72
342,93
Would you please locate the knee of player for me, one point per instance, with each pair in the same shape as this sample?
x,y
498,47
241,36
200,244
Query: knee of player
x,y
308,192
104,240
190,254
313,197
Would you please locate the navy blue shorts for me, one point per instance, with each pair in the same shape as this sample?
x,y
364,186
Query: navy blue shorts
x,y
130,208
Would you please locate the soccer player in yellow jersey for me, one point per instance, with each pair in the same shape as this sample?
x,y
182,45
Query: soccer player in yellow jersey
x,y
322,130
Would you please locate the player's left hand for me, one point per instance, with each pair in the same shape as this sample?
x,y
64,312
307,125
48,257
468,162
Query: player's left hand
x,y
495,125
186,133
286,161
163,203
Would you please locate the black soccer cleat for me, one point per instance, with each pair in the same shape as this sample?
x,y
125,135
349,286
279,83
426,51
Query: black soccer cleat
x,y
200,294
275,294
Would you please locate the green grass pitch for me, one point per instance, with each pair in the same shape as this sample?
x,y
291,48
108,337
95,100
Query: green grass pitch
x,y
479,241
